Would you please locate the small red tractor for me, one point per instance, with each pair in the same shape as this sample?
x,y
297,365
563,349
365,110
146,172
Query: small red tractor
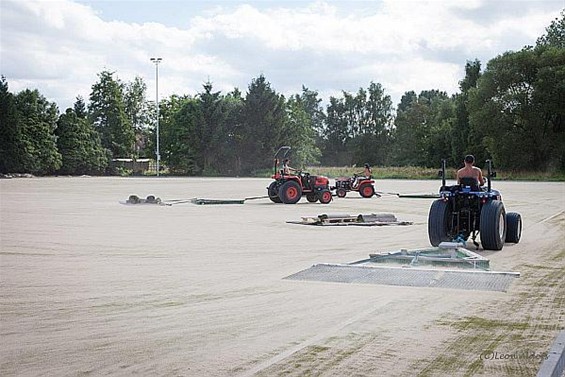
x,y
289,188
364,186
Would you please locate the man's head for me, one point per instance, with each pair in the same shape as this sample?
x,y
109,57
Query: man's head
x,y
367,166
470,159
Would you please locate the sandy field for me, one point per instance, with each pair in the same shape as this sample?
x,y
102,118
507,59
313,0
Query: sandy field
x,y
92,287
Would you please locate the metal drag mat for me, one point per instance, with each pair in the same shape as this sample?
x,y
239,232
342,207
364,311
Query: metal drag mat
x,y
412,277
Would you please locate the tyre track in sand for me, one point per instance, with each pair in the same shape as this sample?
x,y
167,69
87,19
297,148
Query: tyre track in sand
x,y
523,320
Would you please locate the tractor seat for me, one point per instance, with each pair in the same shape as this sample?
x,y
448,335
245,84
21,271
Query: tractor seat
x,y
305,179
312,181
471,182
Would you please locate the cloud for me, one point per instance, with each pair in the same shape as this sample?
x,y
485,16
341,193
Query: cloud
x,y
59,46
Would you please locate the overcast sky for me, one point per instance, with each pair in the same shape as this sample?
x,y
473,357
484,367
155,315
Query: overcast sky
x,y
59,47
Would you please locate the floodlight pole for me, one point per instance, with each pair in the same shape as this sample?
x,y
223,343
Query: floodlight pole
x,y
156,61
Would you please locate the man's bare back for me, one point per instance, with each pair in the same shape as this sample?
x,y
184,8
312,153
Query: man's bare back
x,y
470,171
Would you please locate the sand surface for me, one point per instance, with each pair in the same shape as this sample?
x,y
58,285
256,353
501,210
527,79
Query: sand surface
x,y
90,286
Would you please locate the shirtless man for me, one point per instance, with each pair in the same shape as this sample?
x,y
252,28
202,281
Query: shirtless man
x,y
470,171
367,173
287,170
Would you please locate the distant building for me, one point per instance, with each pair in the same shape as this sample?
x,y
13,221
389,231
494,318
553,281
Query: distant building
x,y
138,166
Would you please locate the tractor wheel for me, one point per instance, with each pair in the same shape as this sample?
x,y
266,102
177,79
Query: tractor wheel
x,y
341,192
438,222
290,192
366,190
513,227
312,197
493,225
325,196
273,191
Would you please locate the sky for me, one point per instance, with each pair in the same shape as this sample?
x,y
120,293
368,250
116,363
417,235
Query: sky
x,y
60,46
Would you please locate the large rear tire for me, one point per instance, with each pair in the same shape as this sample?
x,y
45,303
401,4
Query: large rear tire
x,y
273,192
438,222
493,225
290,192
366,190
513,227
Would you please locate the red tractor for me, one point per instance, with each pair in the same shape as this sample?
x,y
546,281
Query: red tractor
x,y
364,186
289,188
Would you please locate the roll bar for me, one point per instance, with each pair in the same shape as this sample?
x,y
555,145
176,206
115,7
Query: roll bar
x,y
441,173
282,152
490,173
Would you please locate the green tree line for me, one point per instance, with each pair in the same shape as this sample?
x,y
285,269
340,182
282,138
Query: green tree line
x,y
512,111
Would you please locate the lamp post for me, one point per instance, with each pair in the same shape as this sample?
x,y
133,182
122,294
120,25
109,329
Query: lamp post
x,y
157,61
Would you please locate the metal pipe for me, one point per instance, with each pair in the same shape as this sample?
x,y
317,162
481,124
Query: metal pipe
x,y
489,173
443,174
156,61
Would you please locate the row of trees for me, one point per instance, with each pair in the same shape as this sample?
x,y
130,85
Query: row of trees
x,y
512,112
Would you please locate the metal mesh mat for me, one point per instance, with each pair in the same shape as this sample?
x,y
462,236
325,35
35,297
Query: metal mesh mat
x,y
217,201
412,277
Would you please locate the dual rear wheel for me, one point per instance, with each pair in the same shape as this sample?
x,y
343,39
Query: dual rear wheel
x,y
496,226
493,225
499,226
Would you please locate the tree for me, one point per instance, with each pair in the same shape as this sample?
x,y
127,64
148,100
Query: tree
x,y
199,134
358,127
11,137
423,128
135,103
462,143
551,82
549,95
211,131
108,114
306,109
140,114
263,126
336,134
233,106
312,105
300,133
407,133
177,117
79,107
372,144
37,118
442,121
79,144
555,33
518,106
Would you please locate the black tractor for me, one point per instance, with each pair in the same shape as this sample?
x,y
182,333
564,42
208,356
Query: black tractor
x,y
467,210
